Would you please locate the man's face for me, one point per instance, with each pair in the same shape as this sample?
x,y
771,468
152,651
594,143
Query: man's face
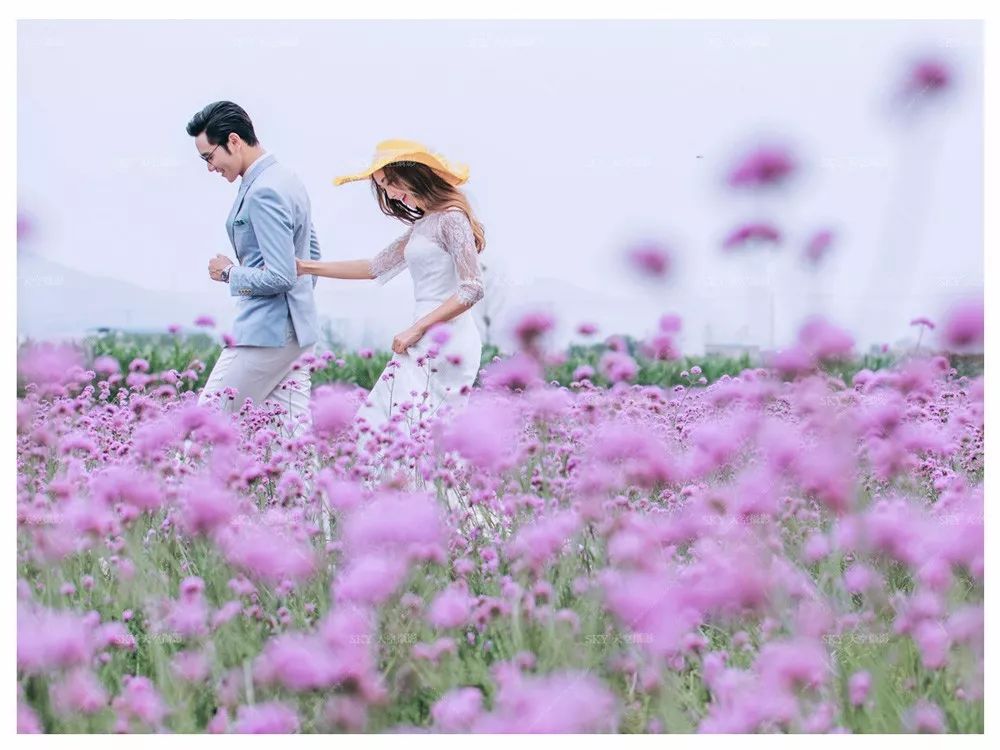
x,y
226,163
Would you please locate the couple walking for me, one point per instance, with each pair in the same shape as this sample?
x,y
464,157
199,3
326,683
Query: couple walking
x,y
278,262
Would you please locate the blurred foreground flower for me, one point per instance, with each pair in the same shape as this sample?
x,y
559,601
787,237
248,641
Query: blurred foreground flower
x,y
765,167
48,363
818,246
650,260
752,233
963,325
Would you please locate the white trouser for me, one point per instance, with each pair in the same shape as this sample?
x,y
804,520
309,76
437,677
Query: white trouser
x,y
264,373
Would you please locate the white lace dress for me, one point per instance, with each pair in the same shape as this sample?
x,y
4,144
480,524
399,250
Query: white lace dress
x,y
440,252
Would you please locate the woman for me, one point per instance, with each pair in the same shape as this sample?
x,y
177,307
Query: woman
x,y
440,248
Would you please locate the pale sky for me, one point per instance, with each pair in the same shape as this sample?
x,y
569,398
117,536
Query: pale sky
x,y
582,137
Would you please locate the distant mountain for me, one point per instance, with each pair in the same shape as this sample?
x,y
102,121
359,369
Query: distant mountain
x,y
56,302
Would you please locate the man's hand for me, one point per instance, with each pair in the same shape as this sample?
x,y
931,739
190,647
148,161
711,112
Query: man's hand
x,y
216,266
403,341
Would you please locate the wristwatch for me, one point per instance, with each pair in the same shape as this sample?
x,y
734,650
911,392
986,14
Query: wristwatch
x,y
224,273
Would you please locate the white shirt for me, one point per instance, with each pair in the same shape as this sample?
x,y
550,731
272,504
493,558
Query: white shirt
x,y
262,155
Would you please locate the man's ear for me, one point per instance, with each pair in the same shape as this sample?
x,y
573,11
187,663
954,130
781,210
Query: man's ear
x,y
234,141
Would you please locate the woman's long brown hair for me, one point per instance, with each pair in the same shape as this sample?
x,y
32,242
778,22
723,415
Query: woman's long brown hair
x,y
430,188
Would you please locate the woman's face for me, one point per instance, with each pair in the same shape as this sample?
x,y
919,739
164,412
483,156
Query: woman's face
x,y
398,190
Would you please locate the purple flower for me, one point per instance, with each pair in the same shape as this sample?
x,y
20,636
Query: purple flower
x,y
757,232
457,710
27,719
670,323
518,372
924,717
399,524
819,245
858,687
618,366
139,699
816,548
269,552
188,617
333,411
451,607
24,227
370,579
79,691
963,325
928,76
138,365
933,641
485,434
823,340
660,347
535,545
561,702
191,666
206,506
347,713
531,327
105,365
650,260
791,665
296,661
205,321
767,166
859,578
272,717
440,333
118,483
925,322
792,361
48,363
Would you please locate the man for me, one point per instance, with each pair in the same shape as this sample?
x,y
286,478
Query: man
x,y
269,226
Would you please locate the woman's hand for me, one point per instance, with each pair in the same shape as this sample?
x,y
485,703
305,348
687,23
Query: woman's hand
x,y
403,341
300,267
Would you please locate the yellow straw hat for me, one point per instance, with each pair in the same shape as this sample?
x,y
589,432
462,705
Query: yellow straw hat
x,y
396,150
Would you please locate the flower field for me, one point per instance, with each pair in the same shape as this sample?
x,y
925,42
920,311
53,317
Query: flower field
x,y
778,549
616,538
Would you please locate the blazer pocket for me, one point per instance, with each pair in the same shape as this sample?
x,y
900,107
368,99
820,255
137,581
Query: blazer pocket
x,y
242,232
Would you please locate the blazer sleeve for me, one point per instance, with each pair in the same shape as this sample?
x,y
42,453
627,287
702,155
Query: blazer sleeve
x,y
271,219
314,253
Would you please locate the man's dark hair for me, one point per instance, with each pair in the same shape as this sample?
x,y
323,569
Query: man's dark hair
x,y
218,120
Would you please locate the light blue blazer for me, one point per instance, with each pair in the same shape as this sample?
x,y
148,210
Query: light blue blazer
x,y
270,226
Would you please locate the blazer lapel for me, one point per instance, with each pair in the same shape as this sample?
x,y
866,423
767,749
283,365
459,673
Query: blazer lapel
x,y
245,184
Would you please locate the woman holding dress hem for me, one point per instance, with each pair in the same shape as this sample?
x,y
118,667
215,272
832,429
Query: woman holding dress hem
x,y
440,248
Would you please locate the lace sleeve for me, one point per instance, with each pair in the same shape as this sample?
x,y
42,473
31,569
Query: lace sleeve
x,y
390,261
459,242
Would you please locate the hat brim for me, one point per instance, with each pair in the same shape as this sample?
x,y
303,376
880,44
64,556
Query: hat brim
x,y
352,178
454,175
